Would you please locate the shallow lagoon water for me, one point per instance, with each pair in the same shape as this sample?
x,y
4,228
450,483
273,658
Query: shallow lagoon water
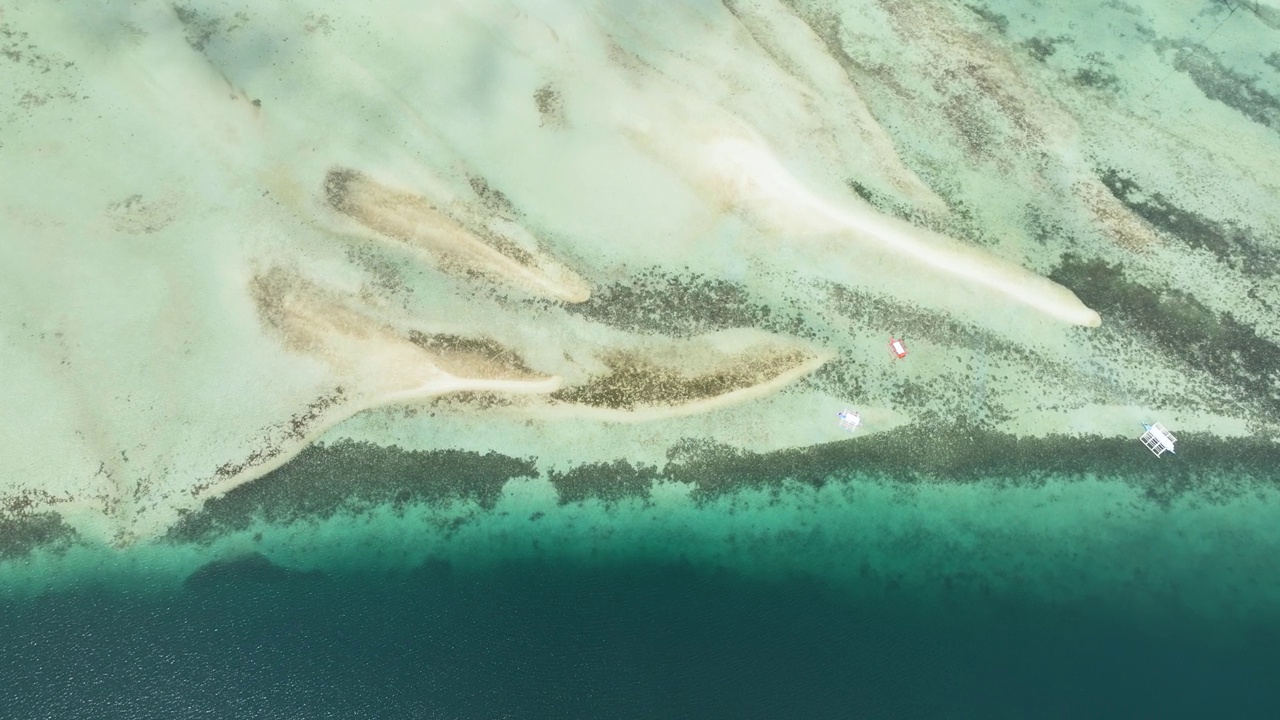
x,y
306,203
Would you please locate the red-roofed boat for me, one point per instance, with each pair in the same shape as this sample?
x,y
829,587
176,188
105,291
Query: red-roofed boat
x,y
897,348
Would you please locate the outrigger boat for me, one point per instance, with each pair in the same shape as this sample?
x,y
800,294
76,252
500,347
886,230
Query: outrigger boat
x,y
897,348
1157,439
849,420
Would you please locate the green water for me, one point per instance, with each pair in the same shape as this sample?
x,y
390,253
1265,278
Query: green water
x,y
1070,541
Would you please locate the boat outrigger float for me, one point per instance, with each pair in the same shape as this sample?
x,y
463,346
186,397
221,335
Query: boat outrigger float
x,y
1157,439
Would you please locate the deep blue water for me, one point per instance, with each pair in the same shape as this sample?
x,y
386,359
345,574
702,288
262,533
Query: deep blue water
x,y
560,639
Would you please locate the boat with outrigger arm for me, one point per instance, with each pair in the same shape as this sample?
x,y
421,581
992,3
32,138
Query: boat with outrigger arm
x,y
849,419
1157,439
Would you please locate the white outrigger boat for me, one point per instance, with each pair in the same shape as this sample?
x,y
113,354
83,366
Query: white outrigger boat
x,y
1157,439
849,419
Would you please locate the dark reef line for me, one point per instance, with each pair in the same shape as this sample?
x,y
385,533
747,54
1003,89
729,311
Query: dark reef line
x,y
349,477
22,533
352,477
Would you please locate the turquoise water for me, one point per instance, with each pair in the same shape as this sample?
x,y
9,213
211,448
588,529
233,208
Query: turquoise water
x,y
854,595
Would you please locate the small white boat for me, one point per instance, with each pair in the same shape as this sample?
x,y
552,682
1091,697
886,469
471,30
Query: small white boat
x,y
849,420
1157,439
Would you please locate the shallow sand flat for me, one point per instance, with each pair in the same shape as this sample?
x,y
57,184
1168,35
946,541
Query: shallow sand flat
x,y
987,183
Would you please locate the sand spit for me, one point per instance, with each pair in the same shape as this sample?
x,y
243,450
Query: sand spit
x,y
375,362
373,352
742,169
734,167
452,246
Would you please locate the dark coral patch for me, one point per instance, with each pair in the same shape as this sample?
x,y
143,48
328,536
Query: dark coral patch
x,y
550,103
1212,342
1229,242
198,27
864,192
338,190
634,382
998,22
253,568
23,532
1097,74
1219,470
659,303
472,356
492,198
611,482
347,476
1233,89
1041,47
